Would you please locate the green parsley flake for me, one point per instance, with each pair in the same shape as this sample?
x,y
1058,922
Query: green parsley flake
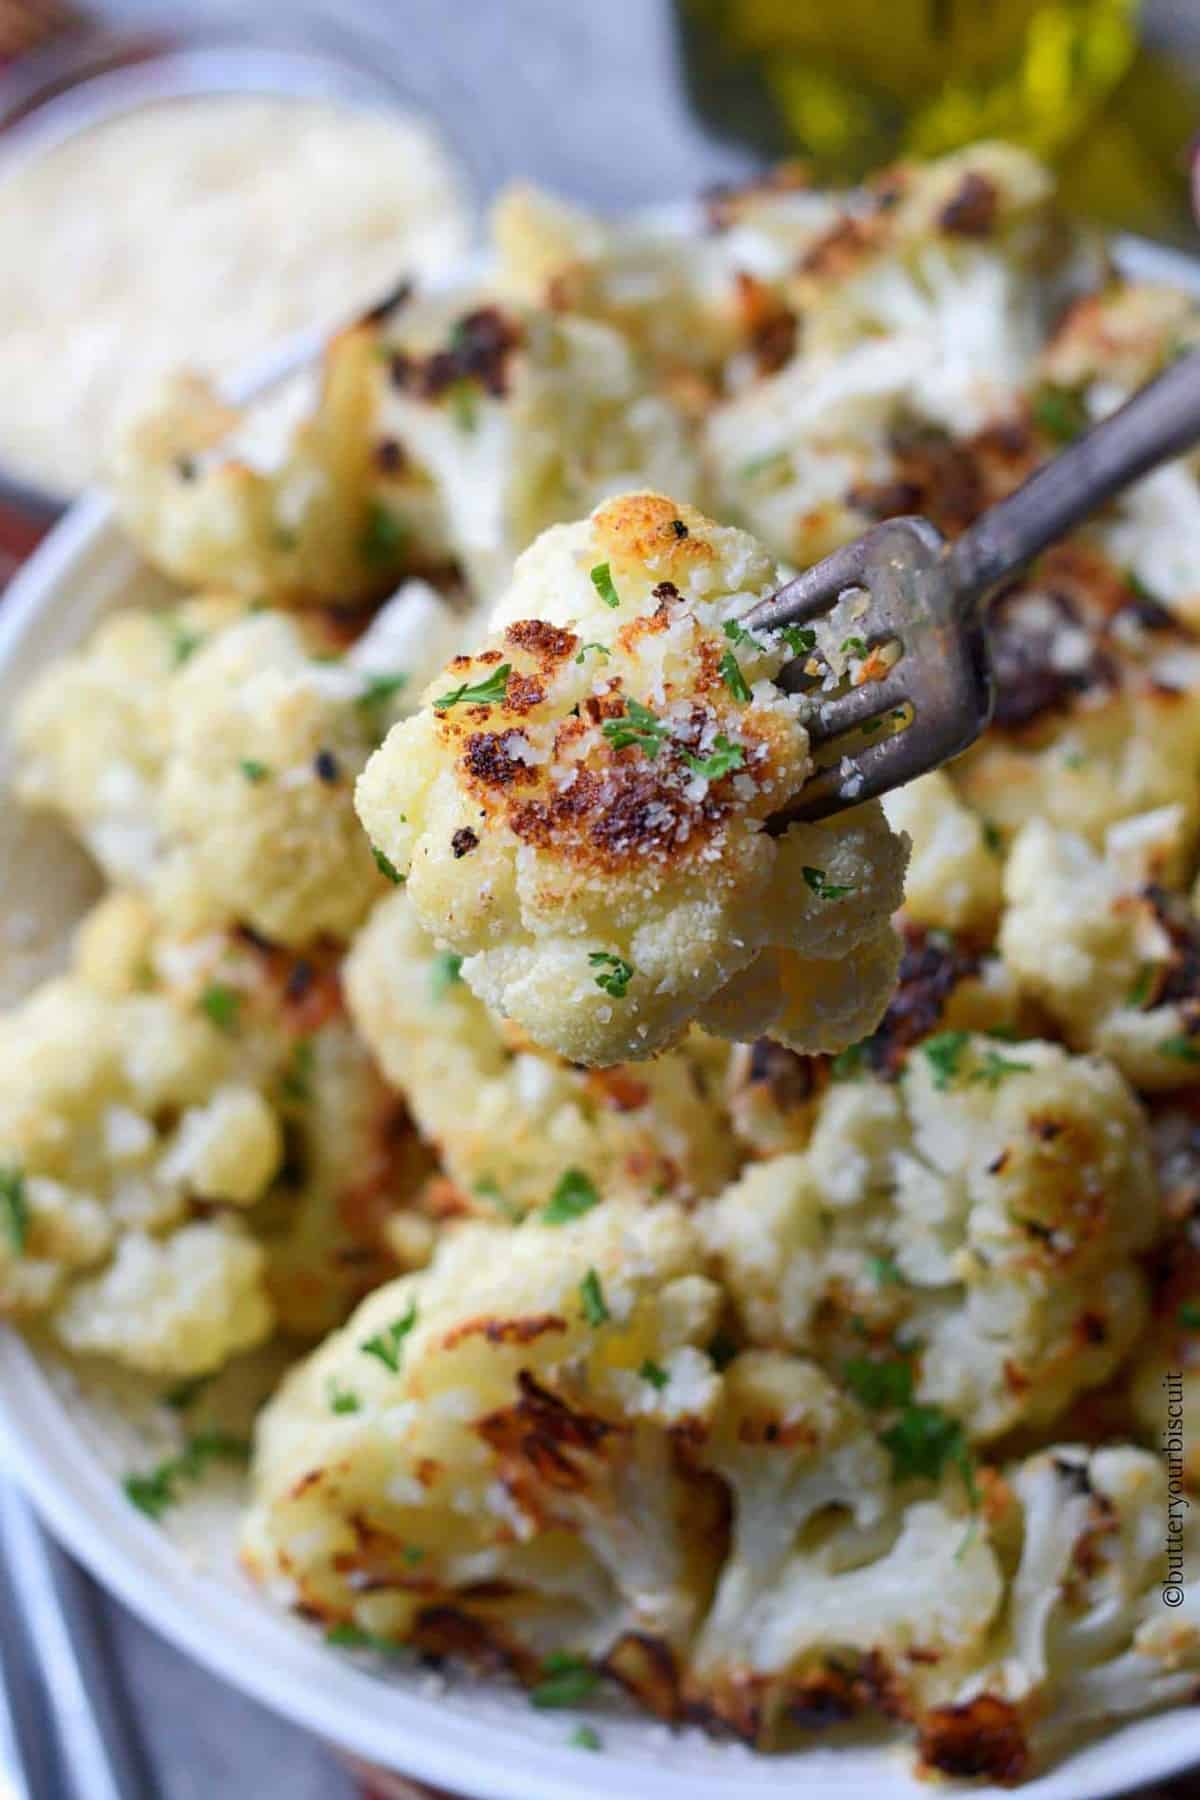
x,y
445,973
379,690
341,1399
158,1490
253,771
849,1062
737,634
1183,1049
876,1383
885,1271
14,1209
614,974
600,649
383,537
388,1346
993,838
413,1554
185,1393
184,643
638,727
800,640
296,1081
723,760
1059,412
602,581
386,867
731,675
575,1194
222,1005
490,692
489,1189
944,1052
923,1440
759,465
585,1737
994,1068
464,404
1143,986
353,1637
595,1308
822,887
854,646
1189,1315
657,1377
565,1681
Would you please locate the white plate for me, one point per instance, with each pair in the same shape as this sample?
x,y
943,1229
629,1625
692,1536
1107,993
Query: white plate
x,y
68,1443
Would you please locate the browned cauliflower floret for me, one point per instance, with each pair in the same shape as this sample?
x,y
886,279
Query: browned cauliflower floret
x,y
973,1228
580,810
536,1125
498,1445
1110,953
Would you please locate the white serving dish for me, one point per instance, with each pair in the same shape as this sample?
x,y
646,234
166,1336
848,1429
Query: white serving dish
x,y
68,1442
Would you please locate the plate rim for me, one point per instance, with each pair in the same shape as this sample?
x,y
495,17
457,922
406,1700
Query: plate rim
x,y
224,1629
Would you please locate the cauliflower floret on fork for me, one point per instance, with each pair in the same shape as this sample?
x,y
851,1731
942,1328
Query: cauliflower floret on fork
x,y
579,812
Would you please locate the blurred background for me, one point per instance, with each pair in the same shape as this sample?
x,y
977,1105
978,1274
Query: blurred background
x,y
203,181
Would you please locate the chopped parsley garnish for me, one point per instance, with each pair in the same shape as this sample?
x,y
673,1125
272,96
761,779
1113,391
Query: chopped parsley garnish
x,y
566,1681
353,1637
723,760
595,1307
379,690
848,1062
489,1189
944,1053
155,1492
721,1350
386,867
296,1081
600,649
585,1737
222,1005
823,888
14,1209
731,675
656,1376
923,1440
758,465
445,972
994,1068
737,634
1143,986
800,639
185,1393
1060,412
413,1554
383,537
639,726
490,692
388,1346
854,646
1189,1315
575,1194
613,975
342,1399
184,642
464,404
252,770
993,838
885,1271
602,581
1183,1049
876,1383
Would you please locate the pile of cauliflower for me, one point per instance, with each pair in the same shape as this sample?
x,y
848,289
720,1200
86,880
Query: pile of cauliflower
x,y
748,1264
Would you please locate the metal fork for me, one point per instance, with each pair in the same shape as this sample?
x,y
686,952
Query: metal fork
x,y
930,599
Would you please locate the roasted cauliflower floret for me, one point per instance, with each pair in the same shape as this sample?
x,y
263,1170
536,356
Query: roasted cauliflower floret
x,y
264,745
1097,716
524,419
496,1444
116,1117
291,502
579,812
91,731
1084,1636
974,1226
832,1595
954,871
535,1124
1111,954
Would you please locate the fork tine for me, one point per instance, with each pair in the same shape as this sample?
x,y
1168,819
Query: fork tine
x,y
843,712
876,770
814,592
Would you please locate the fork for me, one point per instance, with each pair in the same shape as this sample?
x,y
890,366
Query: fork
x,y
925,603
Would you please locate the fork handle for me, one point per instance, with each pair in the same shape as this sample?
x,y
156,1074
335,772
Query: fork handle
x,y
1159,422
